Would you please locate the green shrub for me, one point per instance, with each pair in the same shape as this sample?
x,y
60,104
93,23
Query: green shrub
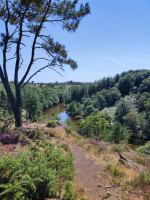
x,y
55,116
117,147
35,133
36,173
118,133
51,123
142,179
71,124
108,167
145,149
69,193
68,130
117,176
141,161
115,172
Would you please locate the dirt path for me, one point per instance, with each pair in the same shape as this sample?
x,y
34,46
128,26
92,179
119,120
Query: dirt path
x,y
91,179
93,182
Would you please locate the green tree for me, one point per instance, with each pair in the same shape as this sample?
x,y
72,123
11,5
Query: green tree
x,y
31,103
93,125
123,108
143,123
118,133
23,19
145,86
142,102
126,84
131,120
113,95
147,105
88,110
101,101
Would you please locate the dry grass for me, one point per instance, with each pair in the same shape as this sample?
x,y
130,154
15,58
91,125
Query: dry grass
x,y
130,174
105,154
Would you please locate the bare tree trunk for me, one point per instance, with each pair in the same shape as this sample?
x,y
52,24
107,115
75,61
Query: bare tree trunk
x,y
16,107
19,107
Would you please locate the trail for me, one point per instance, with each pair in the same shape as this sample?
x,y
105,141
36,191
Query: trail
x,y
92,181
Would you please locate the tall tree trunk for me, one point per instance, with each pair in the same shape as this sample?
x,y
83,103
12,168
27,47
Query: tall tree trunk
x,y
16,107
19,107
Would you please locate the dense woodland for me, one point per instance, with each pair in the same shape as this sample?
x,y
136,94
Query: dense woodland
x,y
124,99
111,109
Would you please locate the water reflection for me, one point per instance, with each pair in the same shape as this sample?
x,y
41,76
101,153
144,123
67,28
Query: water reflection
x,y
63,116
62,113
59,108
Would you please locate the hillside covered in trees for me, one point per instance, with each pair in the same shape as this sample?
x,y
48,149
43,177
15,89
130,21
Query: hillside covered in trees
x,y
110,111
124,99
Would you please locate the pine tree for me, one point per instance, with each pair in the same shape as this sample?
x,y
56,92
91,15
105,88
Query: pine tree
x,y
26,18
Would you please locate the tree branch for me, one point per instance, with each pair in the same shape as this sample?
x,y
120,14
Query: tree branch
x,y
21,62
18,49
10,59
41,59
6,41
33,46
47,66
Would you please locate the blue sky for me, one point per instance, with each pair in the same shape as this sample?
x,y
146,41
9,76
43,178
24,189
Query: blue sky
x,y
114,38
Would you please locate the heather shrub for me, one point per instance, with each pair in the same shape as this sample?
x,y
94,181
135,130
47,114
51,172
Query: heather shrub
x,y
7,138
12,137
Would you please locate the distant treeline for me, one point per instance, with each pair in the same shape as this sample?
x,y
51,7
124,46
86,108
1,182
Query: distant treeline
x,y
131,81
35,99
124,98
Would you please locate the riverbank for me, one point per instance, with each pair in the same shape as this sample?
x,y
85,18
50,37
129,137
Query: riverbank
x,y
62,112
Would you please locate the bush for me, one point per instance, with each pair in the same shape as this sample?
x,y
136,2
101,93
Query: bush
x,y
108,167
55,116
51,123
145,149
70,124
12,137
68,130
93,125
117,148
69,193
118,133
142,179
35,134
36,173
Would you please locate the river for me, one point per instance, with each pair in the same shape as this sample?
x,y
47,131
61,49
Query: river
x,y
62,113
